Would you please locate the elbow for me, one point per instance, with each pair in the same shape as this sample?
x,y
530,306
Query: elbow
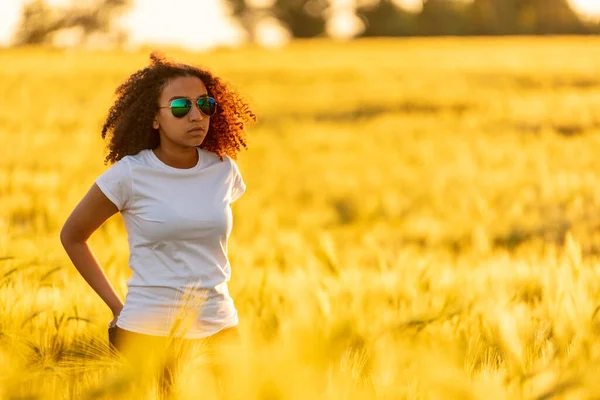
x,y
68,236
64,236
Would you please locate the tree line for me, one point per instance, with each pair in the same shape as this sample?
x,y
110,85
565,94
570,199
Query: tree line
x,y
308,18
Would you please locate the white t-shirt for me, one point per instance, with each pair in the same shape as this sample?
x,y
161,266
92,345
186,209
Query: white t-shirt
x,y
178,222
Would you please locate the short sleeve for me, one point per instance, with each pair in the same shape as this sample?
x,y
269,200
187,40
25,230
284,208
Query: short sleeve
x,y
116,184
238,186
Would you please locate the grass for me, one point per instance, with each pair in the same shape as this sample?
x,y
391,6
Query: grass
x,y
420,222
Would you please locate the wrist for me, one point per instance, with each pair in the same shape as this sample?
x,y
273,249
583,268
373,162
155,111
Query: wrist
x,y
116,310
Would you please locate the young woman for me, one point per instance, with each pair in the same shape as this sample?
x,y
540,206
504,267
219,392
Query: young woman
x,y
174,132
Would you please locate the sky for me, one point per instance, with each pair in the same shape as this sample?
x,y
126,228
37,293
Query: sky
x,y
151,21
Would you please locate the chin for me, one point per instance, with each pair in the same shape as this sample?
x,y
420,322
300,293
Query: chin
x,y
195,138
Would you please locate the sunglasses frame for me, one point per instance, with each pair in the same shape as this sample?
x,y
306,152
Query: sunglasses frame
x,y
190,103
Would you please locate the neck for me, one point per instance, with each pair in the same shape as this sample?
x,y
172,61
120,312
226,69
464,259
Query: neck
x,y
183,158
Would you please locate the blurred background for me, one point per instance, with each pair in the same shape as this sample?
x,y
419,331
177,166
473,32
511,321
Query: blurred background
x,y
422,213
105,23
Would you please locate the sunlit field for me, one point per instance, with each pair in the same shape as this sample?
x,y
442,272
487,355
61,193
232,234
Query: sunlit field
x,y
422,221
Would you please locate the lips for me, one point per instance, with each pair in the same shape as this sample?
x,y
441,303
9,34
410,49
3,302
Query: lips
x,y
197,130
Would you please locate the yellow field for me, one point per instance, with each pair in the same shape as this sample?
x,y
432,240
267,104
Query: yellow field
x,y
421,221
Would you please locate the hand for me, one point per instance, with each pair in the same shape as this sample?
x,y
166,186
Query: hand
x,y
112,332
116,314
113,323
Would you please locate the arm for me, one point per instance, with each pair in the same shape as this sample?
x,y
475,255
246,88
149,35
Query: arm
x,y
92,211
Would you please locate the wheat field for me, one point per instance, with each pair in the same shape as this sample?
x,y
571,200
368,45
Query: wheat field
x,y
421,221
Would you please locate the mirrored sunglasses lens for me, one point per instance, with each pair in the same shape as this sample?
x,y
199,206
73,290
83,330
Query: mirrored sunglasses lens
x,y
180,107
207,105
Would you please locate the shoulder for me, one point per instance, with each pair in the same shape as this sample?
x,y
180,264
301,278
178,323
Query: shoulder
x,y
127,160
138,158
131,163
232,166
124,167
211,158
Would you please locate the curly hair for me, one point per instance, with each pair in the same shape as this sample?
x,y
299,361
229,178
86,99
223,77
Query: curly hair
x,y
129,120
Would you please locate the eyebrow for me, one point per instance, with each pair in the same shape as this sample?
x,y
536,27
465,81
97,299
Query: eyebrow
x,y
183,97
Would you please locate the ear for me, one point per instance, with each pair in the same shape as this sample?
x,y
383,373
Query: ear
x,y
155,123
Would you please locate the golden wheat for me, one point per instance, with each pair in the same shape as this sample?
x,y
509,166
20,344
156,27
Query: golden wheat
x,y
421,221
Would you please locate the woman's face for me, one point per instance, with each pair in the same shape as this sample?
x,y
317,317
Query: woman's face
x,y
190,130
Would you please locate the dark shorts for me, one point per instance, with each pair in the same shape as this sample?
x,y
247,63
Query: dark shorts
x,y
120,340
140,351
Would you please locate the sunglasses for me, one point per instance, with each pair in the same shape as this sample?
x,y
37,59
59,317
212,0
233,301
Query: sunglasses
x,y
181,107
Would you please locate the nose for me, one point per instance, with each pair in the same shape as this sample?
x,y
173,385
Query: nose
x,y
195,114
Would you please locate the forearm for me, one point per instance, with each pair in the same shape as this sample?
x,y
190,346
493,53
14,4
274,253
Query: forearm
x,y
89,268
